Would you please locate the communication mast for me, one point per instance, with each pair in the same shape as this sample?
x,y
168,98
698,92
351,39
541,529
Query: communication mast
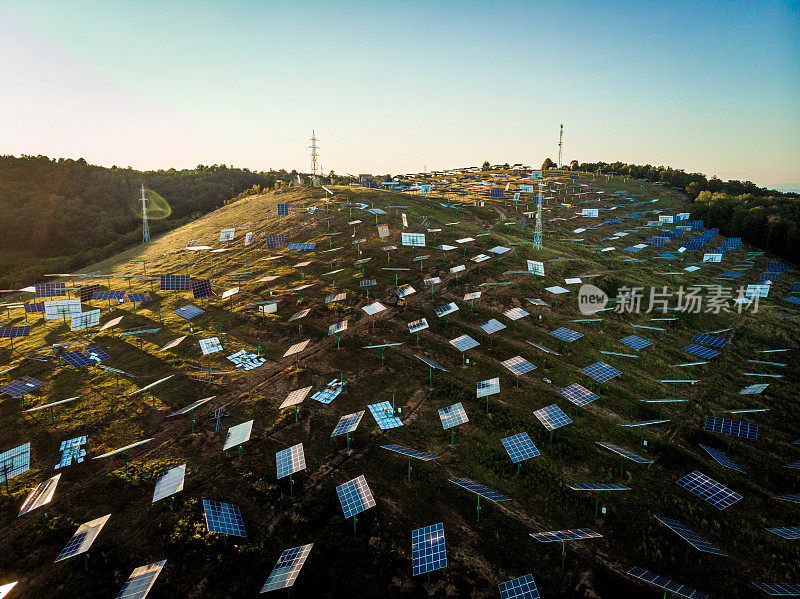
x,y
313,147
560,144
537,236
145,228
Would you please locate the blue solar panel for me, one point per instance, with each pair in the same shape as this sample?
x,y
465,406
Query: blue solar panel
x,y
201,288
735,428
709,490
302,246
598,487
14,462
518,365
453,415
428,551
224,518
274,242
347,424
520,447
665,583
578,394
688,535
50,289
519,588
290,460
565,334
791,533
624,453
552,417
21,387
492,326
108,294
464,343
700,351
14,332
188,312
76,359
138,297
601,372
635,342
175,283
479,489
722,459
33,308
710,340
355,496
283,209
560,536
412,453
287,569
383,413
779,589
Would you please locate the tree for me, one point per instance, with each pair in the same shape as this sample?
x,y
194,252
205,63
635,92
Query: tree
x,y
574,165
486,166
548,164
506,166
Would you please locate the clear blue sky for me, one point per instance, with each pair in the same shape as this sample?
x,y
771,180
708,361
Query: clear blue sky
x,y
393,86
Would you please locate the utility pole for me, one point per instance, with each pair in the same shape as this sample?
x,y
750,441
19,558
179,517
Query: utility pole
x,y
313,147
560,144
145,228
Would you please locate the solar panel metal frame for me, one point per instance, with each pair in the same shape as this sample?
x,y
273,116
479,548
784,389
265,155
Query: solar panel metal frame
x,y
520,447
290,460
428,549
355,496
224,518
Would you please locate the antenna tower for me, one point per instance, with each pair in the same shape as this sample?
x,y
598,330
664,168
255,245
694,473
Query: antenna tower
x,y
313,147
537,236
145,228
560,144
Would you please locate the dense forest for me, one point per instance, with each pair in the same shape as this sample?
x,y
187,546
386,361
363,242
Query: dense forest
x,y
60,215
763,217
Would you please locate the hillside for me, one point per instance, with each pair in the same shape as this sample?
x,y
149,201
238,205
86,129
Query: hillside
x,y
372,557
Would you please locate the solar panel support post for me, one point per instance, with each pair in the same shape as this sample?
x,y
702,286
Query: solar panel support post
x,y
563,553
596,502
409,469
355,521
478,509
551,437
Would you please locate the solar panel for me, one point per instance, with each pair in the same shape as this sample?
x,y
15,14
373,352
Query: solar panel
x,y
784,589
21,387
367,283
479,489
87,292
201,288
518,365
492,326
598,487
601,372
188,312
520,447
330,393
412,453
405,291
355,496
290,460
735,428
83,538
210,345
430,363
578,394
238,434
287,569
13,332
58,309
72,450
84,320
244,360
335,297
347,424
754,389
791,533
464,342
665,583
5,589
297,348
516,313
169,482
428,281
417,325
295,397
710,340
227,234
413,239
688,535
552,417
428,550
96,354
141,581
224,518
50,289
175,283
567,335
452,415
337,327
76,359
635,342
383,413
519,588
700,351
560,536
624,452
14,462
722,459
709,490
40,495
108,294
445,310
33,308
473,295
374,308
274,242
114,452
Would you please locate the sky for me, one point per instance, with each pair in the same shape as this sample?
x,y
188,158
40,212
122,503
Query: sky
x,y
398,87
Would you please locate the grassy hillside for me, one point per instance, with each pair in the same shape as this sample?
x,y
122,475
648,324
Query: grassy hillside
x,y
376,561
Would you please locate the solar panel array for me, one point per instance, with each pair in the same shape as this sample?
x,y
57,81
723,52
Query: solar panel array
x,y
175,283
734,428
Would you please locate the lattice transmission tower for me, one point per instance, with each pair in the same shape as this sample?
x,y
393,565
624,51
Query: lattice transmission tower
x,y
560,144
537,236
314,148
